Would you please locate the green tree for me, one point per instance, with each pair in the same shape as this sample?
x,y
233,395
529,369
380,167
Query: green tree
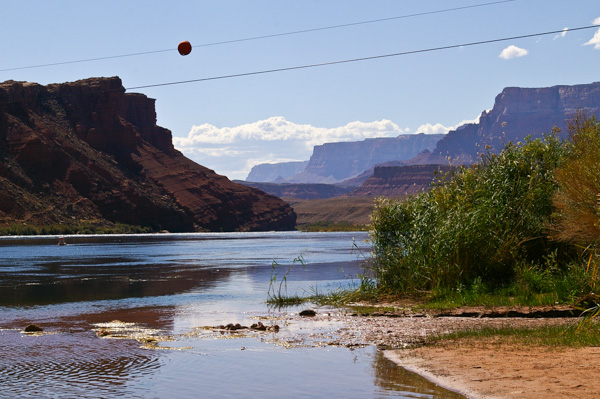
x,y
476,227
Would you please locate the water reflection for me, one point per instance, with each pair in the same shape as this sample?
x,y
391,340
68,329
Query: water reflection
x,y
391,377
71,281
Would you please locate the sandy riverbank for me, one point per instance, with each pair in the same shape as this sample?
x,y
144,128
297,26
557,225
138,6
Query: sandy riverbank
x,y
483,367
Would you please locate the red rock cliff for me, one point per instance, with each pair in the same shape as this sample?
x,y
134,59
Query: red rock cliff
x,y
88,151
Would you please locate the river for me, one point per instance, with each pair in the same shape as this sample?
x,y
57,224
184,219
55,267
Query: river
x,y
133,316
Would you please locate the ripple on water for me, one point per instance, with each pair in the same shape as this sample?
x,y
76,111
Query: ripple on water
x,y
71,365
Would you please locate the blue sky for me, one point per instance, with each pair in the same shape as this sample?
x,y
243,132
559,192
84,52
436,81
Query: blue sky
x,y
229,125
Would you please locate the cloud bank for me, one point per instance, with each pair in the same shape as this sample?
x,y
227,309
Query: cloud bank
x,y
513,52
594,41
233,151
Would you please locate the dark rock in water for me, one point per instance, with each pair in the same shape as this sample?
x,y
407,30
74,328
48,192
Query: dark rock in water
x,y
308,313
33,328
258,326
90,152
231,327
261,327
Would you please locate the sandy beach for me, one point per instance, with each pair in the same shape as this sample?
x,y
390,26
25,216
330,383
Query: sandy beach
x,y
482,367
485,369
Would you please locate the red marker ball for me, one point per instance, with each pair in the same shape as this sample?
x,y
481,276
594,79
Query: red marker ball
x,y
184,48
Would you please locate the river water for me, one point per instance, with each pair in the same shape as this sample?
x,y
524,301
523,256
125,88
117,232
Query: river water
x,y
134,316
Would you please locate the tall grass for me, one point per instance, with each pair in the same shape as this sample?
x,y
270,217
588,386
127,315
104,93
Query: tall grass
x,y
480,225
277,294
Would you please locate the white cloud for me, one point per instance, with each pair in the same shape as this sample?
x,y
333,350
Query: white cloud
x,y
279,129
513,52
596,21
561,34
428,128
594,41
234,150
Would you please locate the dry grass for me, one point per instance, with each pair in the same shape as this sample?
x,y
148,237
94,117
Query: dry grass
x,y
577,200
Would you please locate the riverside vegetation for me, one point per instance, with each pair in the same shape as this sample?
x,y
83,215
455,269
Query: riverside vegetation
x,y
521,228
82,227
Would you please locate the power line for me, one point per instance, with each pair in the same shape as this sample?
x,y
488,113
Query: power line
x,y
85,60
307,66
360,59
265,36
355,23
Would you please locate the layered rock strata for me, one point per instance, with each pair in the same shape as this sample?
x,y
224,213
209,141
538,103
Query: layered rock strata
x,y
516,114
86,151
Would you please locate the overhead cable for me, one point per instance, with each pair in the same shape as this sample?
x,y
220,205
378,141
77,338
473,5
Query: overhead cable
x,y
374,57
262,37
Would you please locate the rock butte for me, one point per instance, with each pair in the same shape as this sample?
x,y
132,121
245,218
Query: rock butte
x,y
88,151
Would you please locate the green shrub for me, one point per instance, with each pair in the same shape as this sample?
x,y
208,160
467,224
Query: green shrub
x,y
478,224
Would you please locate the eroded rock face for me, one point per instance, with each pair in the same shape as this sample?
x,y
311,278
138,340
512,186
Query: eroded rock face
x,y
517,113
88,151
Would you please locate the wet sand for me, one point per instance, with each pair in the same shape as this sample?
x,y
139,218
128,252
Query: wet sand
x,y
482,367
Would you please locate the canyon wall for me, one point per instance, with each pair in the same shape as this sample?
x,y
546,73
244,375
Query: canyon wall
x,y
86,151
274,172
517,113
335,162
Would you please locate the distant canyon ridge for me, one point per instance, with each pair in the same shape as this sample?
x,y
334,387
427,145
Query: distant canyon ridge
x,y
87,152
388,166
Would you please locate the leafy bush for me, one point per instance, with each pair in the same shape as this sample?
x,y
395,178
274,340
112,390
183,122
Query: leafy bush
x,y
479,223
